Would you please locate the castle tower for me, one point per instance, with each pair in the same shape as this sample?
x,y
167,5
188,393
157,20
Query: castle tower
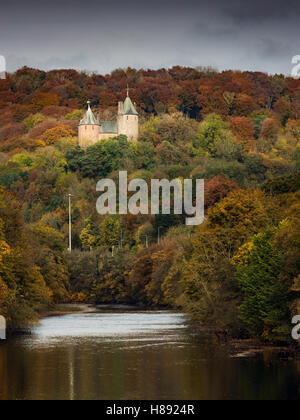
x,y
88,132
128,119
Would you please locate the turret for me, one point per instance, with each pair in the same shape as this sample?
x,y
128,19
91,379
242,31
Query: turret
x,y
89,127
128,119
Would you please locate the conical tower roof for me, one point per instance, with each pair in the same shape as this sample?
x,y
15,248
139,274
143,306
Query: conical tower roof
x,y
89,118
128,107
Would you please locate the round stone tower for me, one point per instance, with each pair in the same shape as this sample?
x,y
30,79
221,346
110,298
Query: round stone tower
x,y
128,119
89,128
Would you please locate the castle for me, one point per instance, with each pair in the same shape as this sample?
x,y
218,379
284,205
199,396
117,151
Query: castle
x,y
91,130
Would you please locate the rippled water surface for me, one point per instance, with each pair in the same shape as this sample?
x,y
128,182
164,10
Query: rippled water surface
x,y
117,353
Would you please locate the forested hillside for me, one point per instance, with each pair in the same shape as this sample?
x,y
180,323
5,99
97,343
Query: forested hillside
x,y
238,272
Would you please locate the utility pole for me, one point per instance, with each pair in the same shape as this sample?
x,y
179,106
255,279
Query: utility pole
x,y
146,241
121,239
70,223
158,241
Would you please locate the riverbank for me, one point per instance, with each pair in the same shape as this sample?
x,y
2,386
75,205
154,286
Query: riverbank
x,y
70,308
67,309
251,347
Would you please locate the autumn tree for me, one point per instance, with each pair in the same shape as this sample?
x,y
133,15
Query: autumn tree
x,y
22,285
48,250
268,135
52,135
42,100
218,188
243,130
264,307
212,130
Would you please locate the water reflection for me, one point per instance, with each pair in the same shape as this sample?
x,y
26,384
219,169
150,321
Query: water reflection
x,y
135,355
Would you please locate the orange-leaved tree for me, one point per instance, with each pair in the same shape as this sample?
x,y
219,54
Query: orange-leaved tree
x,y
52,135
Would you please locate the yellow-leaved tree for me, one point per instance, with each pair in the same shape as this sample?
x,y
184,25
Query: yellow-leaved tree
x,y
22,287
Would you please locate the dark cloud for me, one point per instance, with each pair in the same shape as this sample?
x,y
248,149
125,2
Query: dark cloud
x,y
259,11
97,35
271,48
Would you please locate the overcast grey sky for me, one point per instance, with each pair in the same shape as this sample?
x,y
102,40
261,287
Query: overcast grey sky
x,y
101,35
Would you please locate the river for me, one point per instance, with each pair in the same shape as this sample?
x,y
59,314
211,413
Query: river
x,y
119,353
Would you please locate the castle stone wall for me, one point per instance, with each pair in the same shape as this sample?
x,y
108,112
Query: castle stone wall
x,y
129,126
103,136
88,135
